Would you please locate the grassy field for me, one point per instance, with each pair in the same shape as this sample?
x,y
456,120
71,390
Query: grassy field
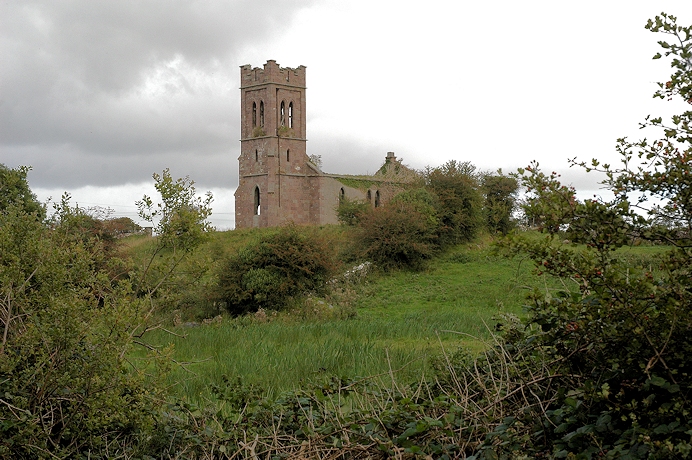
x,y
397,322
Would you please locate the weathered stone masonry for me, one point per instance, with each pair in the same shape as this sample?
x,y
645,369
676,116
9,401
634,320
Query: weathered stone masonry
x,y
278,183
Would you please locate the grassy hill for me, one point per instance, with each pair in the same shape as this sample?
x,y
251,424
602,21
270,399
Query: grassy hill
x,y
398,322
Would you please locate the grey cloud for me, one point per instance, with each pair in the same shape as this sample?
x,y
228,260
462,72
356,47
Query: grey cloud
x,y
71,101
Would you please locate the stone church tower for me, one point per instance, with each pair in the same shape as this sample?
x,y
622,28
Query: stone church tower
x,y
278,183
272,147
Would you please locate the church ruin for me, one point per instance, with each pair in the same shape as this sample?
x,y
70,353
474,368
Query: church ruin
x,y
278,183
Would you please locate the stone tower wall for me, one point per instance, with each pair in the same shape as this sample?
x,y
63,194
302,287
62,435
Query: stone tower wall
x,y
273,158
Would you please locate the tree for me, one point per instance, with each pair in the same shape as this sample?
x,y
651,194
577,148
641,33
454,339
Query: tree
x,y
68,325
460,202
67,388
180,225
14,189
402,234
500,201
610,352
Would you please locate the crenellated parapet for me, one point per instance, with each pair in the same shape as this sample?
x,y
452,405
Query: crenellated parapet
x,y
272,73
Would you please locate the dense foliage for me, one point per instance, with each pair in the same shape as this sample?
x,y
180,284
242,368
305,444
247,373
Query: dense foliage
x,y
67,388
448,209
350,212
460,201
400,234
14,190
500,201
278,267
615,344
70,319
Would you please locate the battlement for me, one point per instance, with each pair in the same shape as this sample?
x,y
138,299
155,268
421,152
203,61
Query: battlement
x,y
272,73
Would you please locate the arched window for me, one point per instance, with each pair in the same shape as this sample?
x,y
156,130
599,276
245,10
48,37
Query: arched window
x,y
288,155
257,201
262,114
254,114
377,199
369,196
282,119
290,115
256,155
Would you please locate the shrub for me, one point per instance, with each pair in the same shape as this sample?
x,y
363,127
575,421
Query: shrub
x,y
67,389
350,212
14,190
460,202
500,201
423,201
400,234
67,327
279,266
615,343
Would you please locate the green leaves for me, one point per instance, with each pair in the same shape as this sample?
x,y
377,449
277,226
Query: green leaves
x,y
180,217
15,191
290,262
621,326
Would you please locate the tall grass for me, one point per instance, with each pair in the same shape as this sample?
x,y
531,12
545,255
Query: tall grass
x,y
396,322
401,321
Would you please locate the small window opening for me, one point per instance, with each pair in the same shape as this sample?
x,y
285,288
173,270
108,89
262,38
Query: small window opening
x,y
254,114
256,155
257,201
262,114
342,194
282,120
290,115
369,196
288,155
377,199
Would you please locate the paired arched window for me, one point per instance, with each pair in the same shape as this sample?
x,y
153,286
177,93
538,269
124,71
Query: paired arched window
x,y
377,199
254,114
282,114
290,115
257,201
262,114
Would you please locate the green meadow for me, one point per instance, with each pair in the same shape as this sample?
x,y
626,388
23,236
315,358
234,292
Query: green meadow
x,y
392,324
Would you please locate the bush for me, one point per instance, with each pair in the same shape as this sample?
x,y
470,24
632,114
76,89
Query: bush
x,y
68,326
615,343
460,201
66,386
350,212
401,234
280,266
500,201
14,190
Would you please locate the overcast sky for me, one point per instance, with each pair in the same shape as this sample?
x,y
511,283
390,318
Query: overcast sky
x,y
98,95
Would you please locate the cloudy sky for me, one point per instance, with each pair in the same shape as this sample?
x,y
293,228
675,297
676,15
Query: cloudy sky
x,y
98,95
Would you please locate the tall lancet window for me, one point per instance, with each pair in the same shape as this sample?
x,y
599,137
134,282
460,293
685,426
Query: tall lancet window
x,y
257,201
